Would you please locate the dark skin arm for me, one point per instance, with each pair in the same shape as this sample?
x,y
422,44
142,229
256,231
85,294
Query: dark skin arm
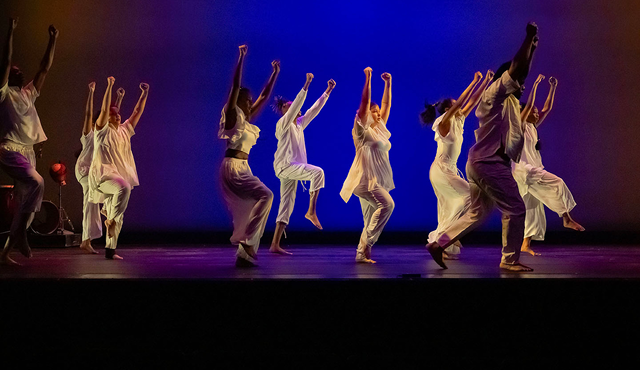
x,y
119,97
142,102
257,106
47,60
7,54
531,100
550,98
230,113
521,63
88,111
473,101
103,118
365,102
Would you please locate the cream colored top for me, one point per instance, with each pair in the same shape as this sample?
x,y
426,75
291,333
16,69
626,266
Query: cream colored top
x,y
19,121
83,164
242,136
449,146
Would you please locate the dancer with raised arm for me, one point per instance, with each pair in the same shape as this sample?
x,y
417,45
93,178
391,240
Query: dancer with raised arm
x,y
248,199
370,177
451,189
538,187
113,172
499,140
20,130
290,161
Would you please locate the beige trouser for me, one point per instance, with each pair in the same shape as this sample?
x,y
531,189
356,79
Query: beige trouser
x,y
377,206
289,178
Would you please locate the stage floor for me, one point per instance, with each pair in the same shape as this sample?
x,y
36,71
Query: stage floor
x,y
215,262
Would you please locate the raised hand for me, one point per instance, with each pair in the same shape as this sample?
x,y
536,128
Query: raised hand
x,y
92,86
553,81
143,86
532,29
386,76
331,84
539,79
309,77
367,71
243,49
477,76
490,74
120,91
111,80
276,66
14,23
53,32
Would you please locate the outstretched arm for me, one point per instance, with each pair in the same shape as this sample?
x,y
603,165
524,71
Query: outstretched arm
x,y
521,63
312,112
297,103
230,113
119,97
257,106
47,60
385,109
88,110
445,124
142,102
530,100
365,102
8,53
473,101
103,118
550,98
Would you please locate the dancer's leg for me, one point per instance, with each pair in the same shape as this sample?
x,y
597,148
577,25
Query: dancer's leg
x,y
307,172
535,223
118,191
258,215
288,189
377,206
91,223
554,193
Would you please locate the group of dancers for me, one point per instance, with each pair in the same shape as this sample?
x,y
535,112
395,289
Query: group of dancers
x,y
504,166
105,167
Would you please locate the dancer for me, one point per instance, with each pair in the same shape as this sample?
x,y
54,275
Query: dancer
x,y
451,189
498,141
248,199
370,177
113,174
537,186
290,161
91,222
20,130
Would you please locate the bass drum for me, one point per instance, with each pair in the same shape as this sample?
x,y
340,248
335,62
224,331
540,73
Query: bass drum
x,y
46,220
8,207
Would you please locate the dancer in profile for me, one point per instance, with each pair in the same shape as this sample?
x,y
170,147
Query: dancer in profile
x,y
370,177
538,187
91,222
113,173
290,161
451,189
248,199
20,130
499,140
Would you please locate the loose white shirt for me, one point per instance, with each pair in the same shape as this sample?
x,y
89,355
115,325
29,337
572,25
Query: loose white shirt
x,y
19,121
83,164
450,145
243,136
290,132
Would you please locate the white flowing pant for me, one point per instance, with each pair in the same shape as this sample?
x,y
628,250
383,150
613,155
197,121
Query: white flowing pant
x,y
117,192
249,201
453,196
19,162
91,222
377,206
289,178
542,188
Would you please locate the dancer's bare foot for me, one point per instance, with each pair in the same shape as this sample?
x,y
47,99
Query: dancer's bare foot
x,y
530,251
7,261
436,252
277,249
241,262
516,267
569,223
363,259
111,227
86,246
367,253
314,220
111,254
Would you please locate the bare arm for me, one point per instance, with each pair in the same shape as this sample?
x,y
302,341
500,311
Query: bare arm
x,y
7,55
47,60
473,101
257,106
119,97
530,100
230,113
365,102
521,63
385,109
550,98
139,109
88,110
445,124
103,118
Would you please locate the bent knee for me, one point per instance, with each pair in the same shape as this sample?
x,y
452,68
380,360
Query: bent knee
x,y
389,205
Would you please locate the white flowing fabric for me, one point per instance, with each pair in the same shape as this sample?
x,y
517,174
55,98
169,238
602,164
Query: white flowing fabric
x,y
248,199
91,222
370,179
539,187
451,189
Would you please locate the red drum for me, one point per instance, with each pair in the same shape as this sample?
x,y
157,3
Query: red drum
x,y
8,207
46,221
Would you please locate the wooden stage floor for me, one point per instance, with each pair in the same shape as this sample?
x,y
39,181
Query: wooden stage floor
x,y
322,262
